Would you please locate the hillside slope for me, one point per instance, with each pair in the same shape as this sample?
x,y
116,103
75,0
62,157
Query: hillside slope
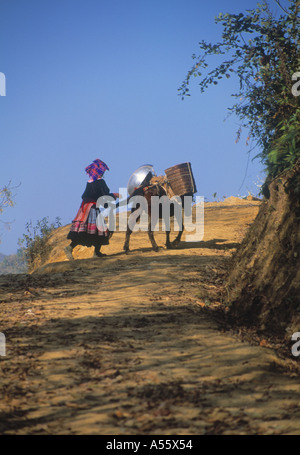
x,y
263,286
220,228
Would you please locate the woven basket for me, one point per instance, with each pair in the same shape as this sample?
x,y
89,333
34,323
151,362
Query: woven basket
x,y
181,179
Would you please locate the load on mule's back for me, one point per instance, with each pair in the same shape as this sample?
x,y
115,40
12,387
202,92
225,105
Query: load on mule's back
x,y
178,181
181,179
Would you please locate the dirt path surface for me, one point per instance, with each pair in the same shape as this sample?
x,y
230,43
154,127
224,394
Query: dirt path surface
x,y
121,345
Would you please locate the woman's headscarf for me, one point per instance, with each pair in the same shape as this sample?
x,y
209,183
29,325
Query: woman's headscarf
x,y
96,169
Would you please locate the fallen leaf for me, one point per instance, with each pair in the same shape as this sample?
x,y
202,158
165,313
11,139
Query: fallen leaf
x,y
264,343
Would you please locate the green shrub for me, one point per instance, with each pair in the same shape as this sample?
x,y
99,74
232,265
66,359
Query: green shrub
x,y
34,243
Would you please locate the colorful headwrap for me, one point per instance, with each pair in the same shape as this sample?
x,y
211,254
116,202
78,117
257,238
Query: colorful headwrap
x,y
96,169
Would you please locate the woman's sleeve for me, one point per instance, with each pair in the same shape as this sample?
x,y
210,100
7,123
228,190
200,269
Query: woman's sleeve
x,y
104,190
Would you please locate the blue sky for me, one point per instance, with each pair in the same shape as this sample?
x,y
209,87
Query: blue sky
x,y
99,79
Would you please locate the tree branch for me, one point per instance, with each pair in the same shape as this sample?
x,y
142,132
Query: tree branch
x,y
280,6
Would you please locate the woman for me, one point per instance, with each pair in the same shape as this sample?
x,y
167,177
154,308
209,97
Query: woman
x,y
84,230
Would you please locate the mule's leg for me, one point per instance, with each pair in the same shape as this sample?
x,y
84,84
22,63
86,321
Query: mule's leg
x,y
151,237
127,238
175,242
128,234
168,243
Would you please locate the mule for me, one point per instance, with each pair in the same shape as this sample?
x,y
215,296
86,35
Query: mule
x,y
148,192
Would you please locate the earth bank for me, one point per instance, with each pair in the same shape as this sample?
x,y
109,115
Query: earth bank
x,y
263,284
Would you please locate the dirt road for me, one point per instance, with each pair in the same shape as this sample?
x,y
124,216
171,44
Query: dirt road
x,y
121,345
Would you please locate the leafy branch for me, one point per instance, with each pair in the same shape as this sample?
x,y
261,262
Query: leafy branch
x,y
262,52
7,200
